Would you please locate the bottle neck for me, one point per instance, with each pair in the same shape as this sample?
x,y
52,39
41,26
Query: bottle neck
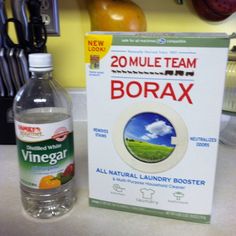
x,y
41,74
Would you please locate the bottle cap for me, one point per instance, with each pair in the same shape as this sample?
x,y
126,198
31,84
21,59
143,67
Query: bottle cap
x,y
40,62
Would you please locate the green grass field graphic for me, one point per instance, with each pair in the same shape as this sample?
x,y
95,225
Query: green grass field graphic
x,y
147,152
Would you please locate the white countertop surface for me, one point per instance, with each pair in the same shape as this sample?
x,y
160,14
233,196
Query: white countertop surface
x,y
84,220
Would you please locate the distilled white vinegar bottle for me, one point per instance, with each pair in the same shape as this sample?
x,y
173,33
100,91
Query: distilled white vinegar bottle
x,y
44,135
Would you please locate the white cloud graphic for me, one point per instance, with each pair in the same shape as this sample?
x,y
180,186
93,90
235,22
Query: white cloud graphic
x,y
156,129
145,137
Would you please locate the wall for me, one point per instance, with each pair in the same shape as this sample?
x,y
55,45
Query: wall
x,y
162,16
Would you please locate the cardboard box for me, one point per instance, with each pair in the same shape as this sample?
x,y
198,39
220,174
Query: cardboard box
x,y
154,107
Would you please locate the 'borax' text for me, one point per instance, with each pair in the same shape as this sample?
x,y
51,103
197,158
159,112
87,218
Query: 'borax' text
x,y
134,89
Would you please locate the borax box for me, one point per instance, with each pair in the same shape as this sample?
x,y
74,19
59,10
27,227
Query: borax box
x,y
154,106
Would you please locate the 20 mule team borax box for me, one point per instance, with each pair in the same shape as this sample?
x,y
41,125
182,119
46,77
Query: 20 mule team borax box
x,y
154,106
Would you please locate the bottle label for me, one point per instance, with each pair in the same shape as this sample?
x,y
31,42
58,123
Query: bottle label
x,y
46,153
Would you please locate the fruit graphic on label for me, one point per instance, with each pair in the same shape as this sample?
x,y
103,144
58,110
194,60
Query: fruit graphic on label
x,y
67,175
116,15
69,170
49,182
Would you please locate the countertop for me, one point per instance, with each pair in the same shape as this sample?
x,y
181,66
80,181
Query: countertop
x,y
84,220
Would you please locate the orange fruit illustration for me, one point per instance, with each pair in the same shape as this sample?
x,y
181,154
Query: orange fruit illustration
x,y
49,182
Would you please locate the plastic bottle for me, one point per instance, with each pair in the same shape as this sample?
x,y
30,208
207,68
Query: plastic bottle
x,y
44,135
